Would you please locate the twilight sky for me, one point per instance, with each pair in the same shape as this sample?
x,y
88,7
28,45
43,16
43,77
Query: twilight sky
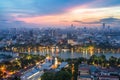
x,y
57,13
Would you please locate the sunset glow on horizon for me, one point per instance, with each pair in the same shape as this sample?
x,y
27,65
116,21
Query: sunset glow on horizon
x,y
61,13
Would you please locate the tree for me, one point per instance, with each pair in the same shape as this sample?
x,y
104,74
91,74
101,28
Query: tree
x,y
118,62
16,78
113,61
48,76
1,74
63,75
93,60
102,60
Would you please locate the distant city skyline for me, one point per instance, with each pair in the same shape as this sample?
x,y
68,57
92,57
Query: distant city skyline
x,y
59,13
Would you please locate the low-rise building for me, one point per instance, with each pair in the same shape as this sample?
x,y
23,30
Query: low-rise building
x,y
34,74
83,72
108,77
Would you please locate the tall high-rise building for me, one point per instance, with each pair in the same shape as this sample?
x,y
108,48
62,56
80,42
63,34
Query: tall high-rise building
x,y
72,27
103,26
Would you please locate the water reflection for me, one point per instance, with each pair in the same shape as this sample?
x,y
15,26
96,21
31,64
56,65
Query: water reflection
x,y
68,53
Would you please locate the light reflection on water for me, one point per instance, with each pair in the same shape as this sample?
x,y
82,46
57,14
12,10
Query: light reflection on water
x,y
66,55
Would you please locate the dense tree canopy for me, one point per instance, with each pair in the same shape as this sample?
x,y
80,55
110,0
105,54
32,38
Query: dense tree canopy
x,y
61,75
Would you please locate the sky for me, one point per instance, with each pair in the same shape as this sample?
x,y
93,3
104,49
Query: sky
x,y
59,13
